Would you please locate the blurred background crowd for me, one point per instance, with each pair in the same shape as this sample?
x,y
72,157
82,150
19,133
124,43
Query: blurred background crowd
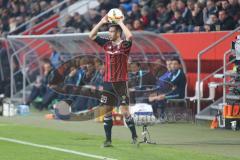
x,y
160,16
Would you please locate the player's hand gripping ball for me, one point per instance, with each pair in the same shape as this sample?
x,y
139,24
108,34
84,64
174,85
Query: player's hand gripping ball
x,y
115,15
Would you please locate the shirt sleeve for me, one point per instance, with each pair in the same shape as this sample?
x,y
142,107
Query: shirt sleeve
x,y
127,44
101,41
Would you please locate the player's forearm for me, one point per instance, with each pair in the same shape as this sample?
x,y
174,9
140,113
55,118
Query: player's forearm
x,y
94,31
126,31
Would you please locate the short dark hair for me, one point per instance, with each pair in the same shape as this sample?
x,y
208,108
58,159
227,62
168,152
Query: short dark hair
x,y
176,59
117,27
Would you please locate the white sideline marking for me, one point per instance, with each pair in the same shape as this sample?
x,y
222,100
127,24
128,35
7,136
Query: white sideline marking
x,y
54,148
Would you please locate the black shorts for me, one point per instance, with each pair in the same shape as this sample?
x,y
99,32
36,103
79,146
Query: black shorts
x,y
120,90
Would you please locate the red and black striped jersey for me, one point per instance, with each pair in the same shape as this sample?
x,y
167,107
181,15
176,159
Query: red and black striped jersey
x,y
116,59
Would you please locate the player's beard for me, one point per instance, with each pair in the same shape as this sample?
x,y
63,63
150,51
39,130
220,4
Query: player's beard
x,y
114,38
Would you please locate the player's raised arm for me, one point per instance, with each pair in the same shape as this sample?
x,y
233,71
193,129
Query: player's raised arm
x,y
126,31
94,31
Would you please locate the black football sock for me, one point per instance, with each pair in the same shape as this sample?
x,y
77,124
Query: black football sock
x,y
130,123
108,123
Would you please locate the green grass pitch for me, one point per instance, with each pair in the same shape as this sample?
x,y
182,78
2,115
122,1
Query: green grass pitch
x,y
179,141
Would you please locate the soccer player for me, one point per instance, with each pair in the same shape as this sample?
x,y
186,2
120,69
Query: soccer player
x,y
116,76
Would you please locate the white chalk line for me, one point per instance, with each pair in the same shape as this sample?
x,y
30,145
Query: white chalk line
x,y
55,148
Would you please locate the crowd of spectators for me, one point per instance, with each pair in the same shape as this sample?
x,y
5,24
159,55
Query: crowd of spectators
x,y
160,16
164,16
13,13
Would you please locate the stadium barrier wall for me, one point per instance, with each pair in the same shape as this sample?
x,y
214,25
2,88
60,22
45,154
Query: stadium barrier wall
x,y
190,44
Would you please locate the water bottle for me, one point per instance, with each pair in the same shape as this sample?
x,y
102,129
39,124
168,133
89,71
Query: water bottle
x,y
23,110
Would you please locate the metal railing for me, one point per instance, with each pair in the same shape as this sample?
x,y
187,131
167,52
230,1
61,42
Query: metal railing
x,y
17,52
85,3
63,16
223,68
84,36
225,65
217,70
203,52
1,68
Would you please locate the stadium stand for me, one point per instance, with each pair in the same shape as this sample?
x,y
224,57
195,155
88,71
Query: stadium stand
x,y
164,16
151,15
14,13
